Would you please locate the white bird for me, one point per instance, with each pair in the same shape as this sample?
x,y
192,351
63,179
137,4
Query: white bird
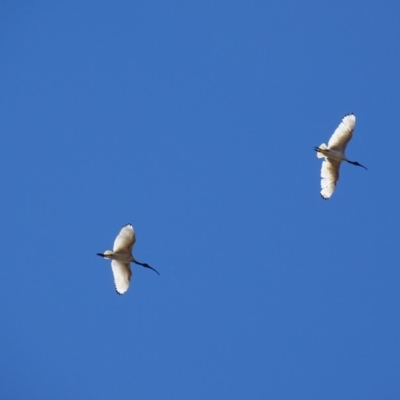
x,y
334,155
121,257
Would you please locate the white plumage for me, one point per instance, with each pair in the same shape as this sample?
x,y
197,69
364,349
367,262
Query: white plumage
x,y
334,154
122,275
121,257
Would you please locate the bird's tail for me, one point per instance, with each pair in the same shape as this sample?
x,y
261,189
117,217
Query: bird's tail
x,y
323,146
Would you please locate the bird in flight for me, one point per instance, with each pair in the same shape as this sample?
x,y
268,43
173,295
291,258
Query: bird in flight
x,y
334,155
121,257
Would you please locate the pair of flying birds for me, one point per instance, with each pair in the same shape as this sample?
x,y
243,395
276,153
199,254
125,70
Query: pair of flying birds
x,y
121,255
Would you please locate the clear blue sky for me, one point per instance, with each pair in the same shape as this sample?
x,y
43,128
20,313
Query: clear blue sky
x,y
196,122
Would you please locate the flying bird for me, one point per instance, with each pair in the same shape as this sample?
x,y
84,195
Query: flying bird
x,y
334,155
121,257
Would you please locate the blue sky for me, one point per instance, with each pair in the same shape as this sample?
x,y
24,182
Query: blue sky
x,y
196,122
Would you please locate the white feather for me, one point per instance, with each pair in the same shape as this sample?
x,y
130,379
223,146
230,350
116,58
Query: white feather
x,y
329,177
125,240
122,275
343,133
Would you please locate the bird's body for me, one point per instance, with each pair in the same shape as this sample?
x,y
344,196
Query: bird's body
x,y
334,154
331,154
121,257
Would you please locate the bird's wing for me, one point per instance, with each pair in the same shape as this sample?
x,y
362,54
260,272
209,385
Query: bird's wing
x,y
329,177
125,239
122,276
343,133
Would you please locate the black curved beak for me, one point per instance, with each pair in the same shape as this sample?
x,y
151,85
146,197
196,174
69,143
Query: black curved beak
x,y
146,266
360,165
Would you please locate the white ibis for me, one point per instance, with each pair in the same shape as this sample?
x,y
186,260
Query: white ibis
x,y
334,155
121,257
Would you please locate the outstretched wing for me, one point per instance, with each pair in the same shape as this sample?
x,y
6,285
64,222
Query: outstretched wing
x,y
122,276
329,177
125,239
343,133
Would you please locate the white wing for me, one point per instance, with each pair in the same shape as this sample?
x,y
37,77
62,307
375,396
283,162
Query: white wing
x,y
343,133
329,177
122,276
125,239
